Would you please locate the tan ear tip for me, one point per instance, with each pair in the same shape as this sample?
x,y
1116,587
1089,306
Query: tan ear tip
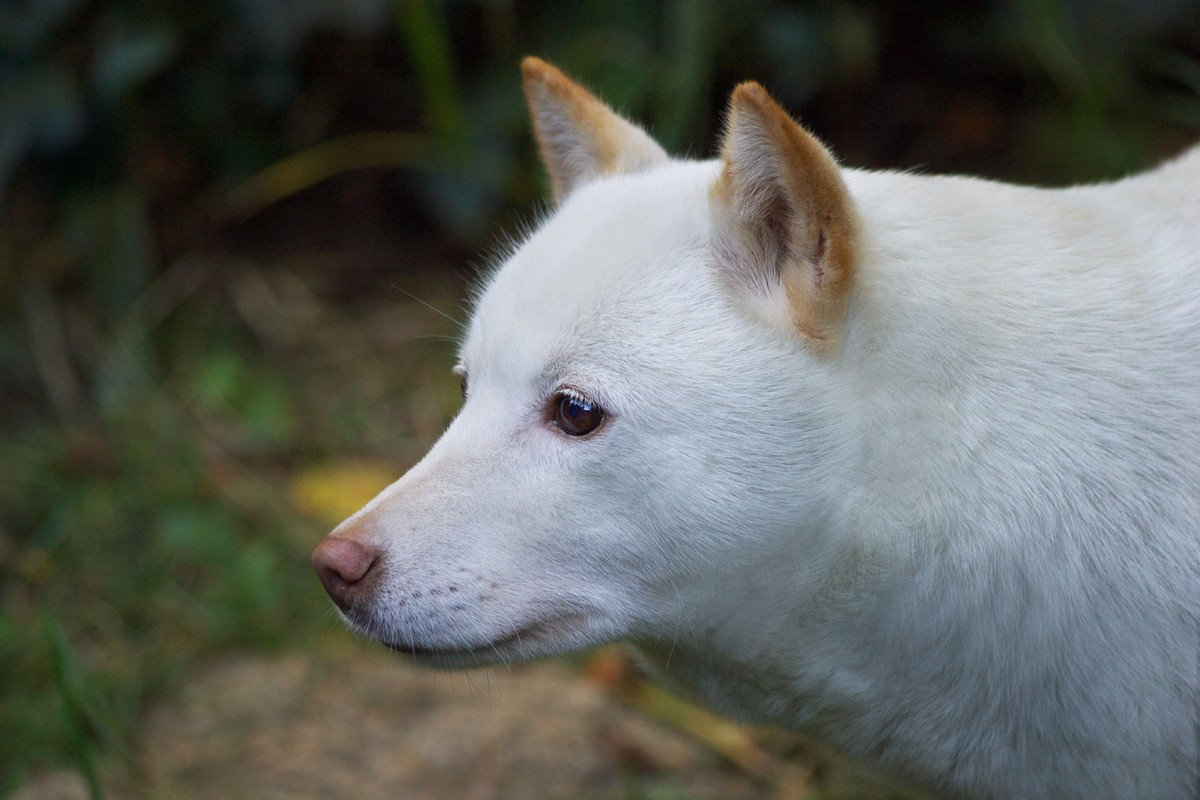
x,y
535,70
751,92
532,65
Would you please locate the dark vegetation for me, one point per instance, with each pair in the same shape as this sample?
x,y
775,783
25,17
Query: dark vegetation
x,y
214,216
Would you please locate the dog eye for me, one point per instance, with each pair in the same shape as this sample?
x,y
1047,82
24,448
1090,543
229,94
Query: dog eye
x,y
577,417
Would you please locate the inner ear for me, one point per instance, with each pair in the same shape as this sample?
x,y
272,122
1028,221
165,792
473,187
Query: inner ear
x,y
785,237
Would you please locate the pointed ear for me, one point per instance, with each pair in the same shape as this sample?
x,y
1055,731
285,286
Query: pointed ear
x,y
786,222
578,136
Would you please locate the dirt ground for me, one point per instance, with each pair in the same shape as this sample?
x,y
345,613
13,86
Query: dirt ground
x,y
366,724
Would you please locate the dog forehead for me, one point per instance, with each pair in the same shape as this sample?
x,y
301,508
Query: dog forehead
x,y
616,251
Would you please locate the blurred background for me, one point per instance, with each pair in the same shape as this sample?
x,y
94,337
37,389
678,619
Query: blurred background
x,y
235,238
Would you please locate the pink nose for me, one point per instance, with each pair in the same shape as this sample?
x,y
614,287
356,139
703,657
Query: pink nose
x,y
345,567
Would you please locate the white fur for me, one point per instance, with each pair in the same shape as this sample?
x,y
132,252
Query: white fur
x,y
964,549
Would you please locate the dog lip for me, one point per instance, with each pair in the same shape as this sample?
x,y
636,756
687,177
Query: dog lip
x,y
533,631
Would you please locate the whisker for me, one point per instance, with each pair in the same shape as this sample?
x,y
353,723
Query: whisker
x,y
430,306
424,336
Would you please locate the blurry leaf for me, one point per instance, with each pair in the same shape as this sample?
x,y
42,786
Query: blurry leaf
x,y
429,47
251,583
618,63
255,400
110,235
127,58
266,411
1074,146
203,534
1181,103
220,378
306,168
728,739
48,344
85,728
464,194
690,63
1178,67
1052,41
332,492
40,107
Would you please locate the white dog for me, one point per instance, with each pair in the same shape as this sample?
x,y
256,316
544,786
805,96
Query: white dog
x,y
908,463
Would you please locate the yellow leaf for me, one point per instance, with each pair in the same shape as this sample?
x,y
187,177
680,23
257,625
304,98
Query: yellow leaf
x,y
332,492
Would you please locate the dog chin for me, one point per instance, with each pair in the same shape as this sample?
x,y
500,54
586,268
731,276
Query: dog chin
x,y
540,638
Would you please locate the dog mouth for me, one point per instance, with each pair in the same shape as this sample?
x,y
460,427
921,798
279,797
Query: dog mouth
x,y
527,640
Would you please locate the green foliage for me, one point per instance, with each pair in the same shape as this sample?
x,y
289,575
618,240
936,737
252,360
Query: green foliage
x,y
84,727
127,541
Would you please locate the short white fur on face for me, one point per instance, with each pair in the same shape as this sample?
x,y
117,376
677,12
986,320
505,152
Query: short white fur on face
x,y
943,515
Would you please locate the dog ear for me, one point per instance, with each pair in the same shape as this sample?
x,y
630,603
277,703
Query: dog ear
x,y
786,222
579,137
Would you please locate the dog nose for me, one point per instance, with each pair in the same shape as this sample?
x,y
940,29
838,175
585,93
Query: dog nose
x,y
344,567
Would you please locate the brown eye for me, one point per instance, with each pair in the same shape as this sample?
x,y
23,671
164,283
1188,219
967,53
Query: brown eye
x,y
576,416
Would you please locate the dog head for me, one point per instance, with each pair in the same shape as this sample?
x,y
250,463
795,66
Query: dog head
x,y
650,383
